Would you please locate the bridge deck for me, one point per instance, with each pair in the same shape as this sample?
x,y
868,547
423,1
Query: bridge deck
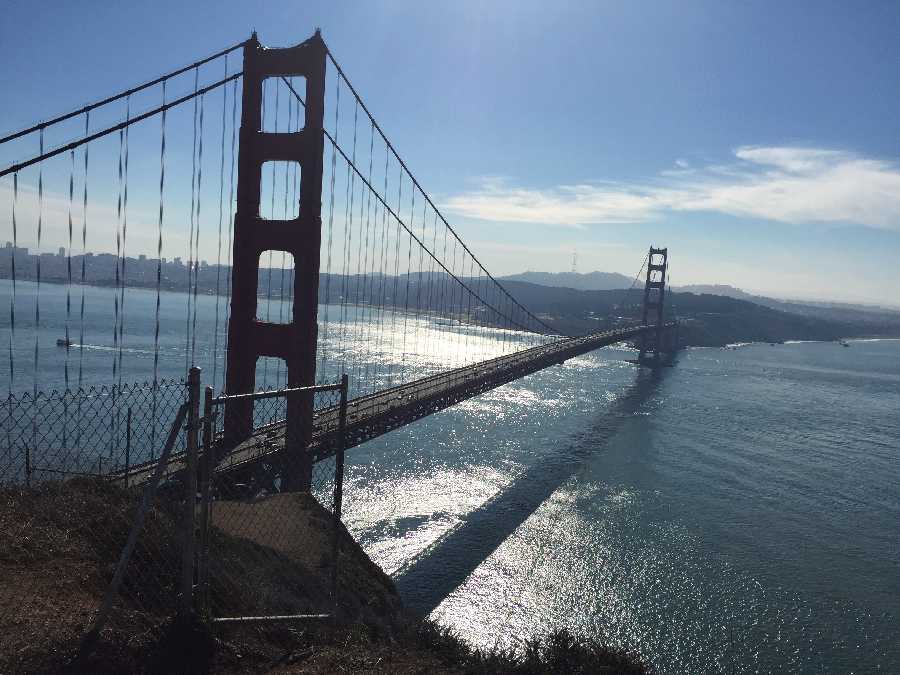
x,y
375,414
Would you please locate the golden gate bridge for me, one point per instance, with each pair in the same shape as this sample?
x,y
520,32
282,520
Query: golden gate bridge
x,y
342,305
308,176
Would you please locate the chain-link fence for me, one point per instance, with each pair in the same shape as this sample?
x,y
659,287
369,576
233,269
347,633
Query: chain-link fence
x,y
72,465
270,503
115,517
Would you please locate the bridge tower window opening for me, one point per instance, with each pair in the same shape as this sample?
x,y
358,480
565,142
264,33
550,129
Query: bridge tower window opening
x,y
279,190
276,285
282,104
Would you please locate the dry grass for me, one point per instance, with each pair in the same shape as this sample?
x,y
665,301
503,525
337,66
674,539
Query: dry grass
x,y
58,547
59,544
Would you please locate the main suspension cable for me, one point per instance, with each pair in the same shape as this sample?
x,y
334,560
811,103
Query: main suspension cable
x,y
114,128
425,195
356,172
361,104
120,95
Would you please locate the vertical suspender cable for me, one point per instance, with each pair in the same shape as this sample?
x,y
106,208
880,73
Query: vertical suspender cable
x,y
445,312
118,260
69,268
294,201
12,310
124,244
453,308
357,311
159,247
459,290
412,210
382,279
287,173
420,273
187,320
115,351
231,208
272,216
215,349
429,303
394,303
337,108
84,223
197,233
348,232
12,299
348,333
362,302
37,296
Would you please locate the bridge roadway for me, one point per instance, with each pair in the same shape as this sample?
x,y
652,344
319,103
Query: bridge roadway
x,y
375,414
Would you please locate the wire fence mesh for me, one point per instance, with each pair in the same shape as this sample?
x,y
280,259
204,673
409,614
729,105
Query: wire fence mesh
x,y
71,486
97,509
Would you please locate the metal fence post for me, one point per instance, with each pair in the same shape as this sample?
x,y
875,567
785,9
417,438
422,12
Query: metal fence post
x,y
27,467
206,477
338,488
190,495
127,445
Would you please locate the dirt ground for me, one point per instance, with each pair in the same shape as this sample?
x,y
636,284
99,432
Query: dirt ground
x,y
59,544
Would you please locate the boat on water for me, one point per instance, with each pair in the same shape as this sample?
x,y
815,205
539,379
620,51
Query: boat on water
x,y
63,342
844,343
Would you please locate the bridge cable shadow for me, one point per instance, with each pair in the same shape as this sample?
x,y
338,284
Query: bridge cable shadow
x,y
438,570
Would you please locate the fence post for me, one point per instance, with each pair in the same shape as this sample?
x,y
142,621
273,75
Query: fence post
x,y
190,495
27,467
338,488
206,476
127,446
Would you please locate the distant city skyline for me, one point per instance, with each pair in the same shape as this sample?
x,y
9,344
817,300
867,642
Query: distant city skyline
x,y
140,271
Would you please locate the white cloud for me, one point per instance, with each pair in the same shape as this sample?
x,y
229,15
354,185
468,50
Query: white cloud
x,y
784,184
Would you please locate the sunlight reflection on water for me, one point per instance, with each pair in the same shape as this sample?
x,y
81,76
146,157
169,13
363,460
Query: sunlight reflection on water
x,y
738,513
664,518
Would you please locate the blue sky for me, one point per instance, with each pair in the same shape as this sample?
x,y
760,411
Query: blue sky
x,y
759,141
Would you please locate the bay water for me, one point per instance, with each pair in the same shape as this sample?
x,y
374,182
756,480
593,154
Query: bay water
x,y
738,511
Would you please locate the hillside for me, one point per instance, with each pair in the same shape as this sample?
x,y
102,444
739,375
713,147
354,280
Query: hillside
x,y
708,320
59,540
591,281
856,318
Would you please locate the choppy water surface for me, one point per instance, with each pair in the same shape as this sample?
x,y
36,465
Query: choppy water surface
x,y
737,512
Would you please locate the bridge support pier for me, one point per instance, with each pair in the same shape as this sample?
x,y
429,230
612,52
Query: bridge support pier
x,y
248,337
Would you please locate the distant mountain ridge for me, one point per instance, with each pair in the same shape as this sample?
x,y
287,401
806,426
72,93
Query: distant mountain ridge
x,y
610,281
605,281
721,289
591,281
